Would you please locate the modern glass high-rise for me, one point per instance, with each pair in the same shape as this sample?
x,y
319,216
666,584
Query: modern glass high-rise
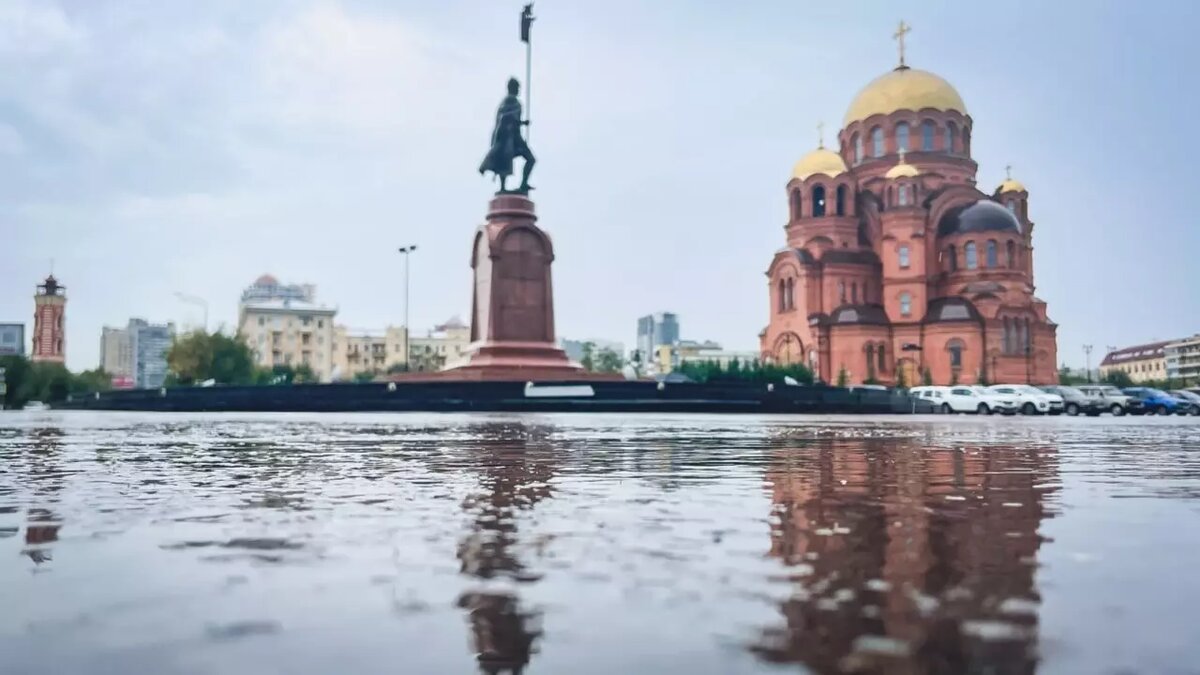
x,y
657,329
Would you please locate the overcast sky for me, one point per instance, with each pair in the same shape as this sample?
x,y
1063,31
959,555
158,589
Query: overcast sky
x,y
152,147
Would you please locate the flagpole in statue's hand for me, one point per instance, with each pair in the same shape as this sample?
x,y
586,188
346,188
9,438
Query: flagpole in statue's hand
x,y
527,22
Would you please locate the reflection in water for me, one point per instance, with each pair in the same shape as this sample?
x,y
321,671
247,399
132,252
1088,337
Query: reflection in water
x,y
905,559
515,470
46,474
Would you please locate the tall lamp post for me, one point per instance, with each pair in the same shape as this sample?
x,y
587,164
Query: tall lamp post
x,y
198,301
1087,360
407,332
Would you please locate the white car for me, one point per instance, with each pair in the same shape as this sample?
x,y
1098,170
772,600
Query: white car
x,y
964,398
1030,400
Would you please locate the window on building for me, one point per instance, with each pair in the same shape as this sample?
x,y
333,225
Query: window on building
x,y
882,361
841,293
905,304
955,347
951,132
791,294
1011,253
320,323
1005,341
782,302
876,143
1028,343
952,259
1011,205
841,200
972,256
903,192
991,253
902,136
262,320
927,131
870,362
854,292
818,200
858,148
903,257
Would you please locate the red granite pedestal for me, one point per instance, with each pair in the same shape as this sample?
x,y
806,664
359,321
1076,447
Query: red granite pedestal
x,y
512,314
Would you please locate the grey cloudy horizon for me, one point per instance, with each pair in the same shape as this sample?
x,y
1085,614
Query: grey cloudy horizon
x,y
154,148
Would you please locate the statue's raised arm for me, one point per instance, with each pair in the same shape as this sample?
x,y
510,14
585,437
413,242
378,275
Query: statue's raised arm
x,y
507,142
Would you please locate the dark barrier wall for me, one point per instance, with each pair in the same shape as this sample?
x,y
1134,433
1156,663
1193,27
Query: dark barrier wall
x,y
629,396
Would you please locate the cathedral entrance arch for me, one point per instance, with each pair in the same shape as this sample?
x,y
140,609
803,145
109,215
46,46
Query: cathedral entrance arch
x,y
788,350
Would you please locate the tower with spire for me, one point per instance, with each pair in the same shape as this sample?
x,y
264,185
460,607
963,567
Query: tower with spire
x,y
49,322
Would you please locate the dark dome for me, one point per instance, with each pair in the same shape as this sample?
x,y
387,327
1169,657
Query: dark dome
x,y
984,215
859,314
951,309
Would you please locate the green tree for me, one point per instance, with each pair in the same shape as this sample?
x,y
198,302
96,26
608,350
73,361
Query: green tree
x,y
843,377
304,373
91,380
901,379
1118,378
926,377
608,361
199,356
16,374
744,371
588,361
364,377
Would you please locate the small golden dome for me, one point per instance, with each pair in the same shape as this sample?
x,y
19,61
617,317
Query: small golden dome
x,y
903,89
902,169
1010,185
820,160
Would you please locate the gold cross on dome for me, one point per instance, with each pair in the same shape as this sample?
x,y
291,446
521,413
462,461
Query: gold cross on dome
x,y
901,31
1008,171
820,134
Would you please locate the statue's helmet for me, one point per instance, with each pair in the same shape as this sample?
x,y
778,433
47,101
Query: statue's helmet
x,y
513,86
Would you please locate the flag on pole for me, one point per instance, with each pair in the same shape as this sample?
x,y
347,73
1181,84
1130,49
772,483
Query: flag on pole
x,y
526,22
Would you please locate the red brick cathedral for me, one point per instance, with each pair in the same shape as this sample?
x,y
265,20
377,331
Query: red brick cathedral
x,y
896,262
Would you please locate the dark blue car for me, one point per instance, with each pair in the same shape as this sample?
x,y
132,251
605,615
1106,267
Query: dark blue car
x,y
1156,401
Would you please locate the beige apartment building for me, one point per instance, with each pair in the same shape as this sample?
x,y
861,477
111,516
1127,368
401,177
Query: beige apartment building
x,y
443,347
288,333
1183,359
357,352
1140,362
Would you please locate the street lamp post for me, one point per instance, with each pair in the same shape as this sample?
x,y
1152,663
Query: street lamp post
x,y
194,300
407,332
1087,360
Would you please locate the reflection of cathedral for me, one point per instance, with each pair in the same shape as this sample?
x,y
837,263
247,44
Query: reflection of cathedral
x,y
896,261
907,559
515,478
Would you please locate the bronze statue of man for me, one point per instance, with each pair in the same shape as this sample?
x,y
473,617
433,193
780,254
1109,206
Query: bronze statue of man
x,y
507,143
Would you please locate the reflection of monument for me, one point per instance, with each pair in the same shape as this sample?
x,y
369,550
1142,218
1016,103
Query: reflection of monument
x,y
43,525
908,559
515,478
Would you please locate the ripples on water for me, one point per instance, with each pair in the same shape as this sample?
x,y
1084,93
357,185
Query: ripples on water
x,y
595,544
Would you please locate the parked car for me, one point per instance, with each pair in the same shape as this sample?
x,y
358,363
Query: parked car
x,y
1115,401
1156,401
1192,398
935,395
1075,401
1031,400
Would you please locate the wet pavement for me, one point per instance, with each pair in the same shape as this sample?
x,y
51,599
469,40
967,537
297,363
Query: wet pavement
x,y
162,543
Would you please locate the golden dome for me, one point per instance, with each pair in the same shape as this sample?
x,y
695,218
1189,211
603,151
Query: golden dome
x,y
1010,185
902,169
820,160
903,89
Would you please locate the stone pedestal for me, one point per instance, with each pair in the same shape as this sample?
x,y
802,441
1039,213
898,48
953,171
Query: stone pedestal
x,y
512,315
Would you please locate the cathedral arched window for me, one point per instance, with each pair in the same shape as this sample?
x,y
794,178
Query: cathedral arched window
x,y
952,258
902,136
791,294
858,148
902,256
951,131
818,201
1028,342
841,200
782,301
841,292
903,194
1006,340
882,362
955,347
797,202
991,253
877,142
1011,254
870,362
972,255
927,131
1012,206
854,292
966,141
905,304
